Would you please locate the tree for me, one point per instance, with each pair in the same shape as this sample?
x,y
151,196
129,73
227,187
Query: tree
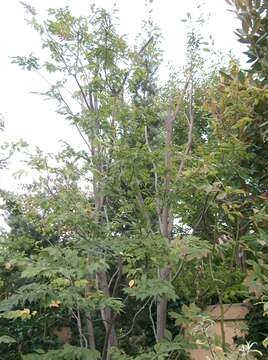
x,y
115,108
253,15
154,208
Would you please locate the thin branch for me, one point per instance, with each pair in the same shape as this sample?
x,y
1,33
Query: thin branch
x,y
172,114
75,123
164,217
106,214
69,109
119,276
178,271
155,171
48,181
79,85
130,69
203,213
79,326
152,320
83,93
83,137
134,320
112,278
190,132
141,205
70,73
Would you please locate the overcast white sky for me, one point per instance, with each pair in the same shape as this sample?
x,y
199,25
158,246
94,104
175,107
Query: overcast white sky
x,y
29,117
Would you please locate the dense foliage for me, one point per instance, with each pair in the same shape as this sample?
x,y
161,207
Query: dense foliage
x,y
116,248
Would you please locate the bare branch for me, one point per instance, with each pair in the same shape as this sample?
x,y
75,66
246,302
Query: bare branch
x,y
119,276
83,93
154,167
152,320
75,123
134,320
178,271
190,131
130,69
112,278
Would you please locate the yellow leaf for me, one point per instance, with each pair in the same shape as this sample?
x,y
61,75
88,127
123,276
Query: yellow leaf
x,y
131,283
54,304
265,342
7,265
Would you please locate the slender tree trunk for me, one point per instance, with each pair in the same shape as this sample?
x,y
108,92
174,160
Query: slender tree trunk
x,y
166,216
80,329
90,332
89,322
166,223
101,276
162,307
164,274
106,313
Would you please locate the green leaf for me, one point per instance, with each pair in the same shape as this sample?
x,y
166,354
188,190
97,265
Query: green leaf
x,y
165,347
146,287
5,339
168,335
68,352
190,247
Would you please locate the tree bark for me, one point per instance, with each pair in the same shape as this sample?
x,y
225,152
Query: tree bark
x,y
162,307
106,313
166,216
90,332
165,223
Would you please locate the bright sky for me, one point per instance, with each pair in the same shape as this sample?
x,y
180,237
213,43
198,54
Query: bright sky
x,y
31,118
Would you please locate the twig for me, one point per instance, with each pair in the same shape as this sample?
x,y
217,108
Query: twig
x,y
155,171
112,278
134,319
178,271
129,71
190,132
117,282
152,320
